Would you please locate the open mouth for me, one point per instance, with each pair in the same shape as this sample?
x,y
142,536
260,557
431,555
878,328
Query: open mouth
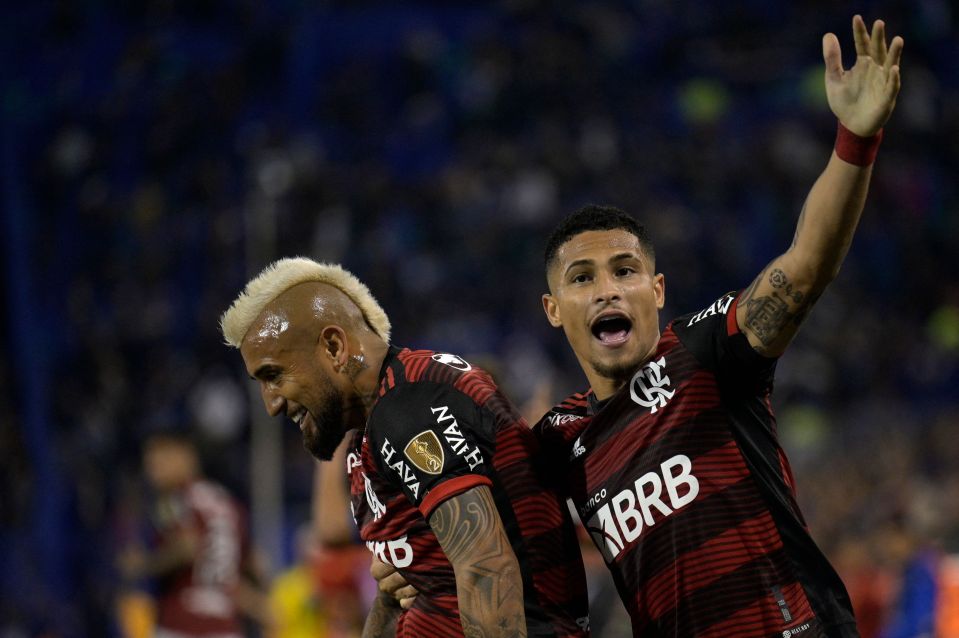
x,y
300,418
612,330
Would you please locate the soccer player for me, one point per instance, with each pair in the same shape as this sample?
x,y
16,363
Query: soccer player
x,y
671,457
199,559
443,482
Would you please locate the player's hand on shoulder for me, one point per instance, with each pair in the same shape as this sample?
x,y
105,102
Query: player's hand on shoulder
x,y
864,96
391,582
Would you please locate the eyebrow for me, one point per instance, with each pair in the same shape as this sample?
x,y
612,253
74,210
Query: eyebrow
x,y
579,262
614,258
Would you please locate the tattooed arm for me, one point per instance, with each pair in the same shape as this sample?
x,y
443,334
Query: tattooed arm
x,y
489,585
771,310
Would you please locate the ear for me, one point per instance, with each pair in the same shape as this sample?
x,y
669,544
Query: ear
x,y
333,345
552,311
659,285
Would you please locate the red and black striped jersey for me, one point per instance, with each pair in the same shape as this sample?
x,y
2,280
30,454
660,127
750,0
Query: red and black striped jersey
x,y
200,598
682,484
439,428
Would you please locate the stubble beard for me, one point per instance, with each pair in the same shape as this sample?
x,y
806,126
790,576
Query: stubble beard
x,y
620,371
328,428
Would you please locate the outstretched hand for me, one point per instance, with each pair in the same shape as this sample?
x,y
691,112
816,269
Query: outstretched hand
x,y
864,96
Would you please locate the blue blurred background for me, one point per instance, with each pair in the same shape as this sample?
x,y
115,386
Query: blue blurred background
x,y
157,153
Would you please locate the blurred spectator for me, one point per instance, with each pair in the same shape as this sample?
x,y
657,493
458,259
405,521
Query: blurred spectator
x,y
198,557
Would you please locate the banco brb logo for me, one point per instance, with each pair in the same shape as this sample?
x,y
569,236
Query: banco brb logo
x,y
649,386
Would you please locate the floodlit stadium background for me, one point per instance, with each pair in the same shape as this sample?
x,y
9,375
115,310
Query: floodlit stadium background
x,y
155,154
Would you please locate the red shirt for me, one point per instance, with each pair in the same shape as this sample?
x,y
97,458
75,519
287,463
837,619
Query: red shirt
x,y
198,600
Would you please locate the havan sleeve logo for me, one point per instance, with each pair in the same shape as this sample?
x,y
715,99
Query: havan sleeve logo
x,y
425,452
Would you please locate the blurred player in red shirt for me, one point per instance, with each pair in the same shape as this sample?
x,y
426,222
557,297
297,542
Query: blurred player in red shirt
x,y
199,555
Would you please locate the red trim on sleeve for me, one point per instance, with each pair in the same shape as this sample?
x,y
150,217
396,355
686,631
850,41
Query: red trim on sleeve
x,y
448,489
859,151
732,326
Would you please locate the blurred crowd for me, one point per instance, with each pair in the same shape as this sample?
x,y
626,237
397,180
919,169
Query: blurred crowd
x,y
156,153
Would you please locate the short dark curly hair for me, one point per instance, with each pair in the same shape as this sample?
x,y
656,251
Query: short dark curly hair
x,y
595,217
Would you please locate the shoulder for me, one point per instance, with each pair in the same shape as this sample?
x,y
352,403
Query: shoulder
x,y
713,336
564,418
572,408
430,390
426,374
703,332
716,313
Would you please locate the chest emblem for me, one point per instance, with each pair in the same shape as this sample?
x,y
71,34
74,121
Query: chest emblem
x,y
425,452
376,505
650,386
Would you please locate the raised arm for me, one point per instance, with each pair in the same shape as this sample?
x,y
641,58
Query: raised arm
x,y
771,310
489,585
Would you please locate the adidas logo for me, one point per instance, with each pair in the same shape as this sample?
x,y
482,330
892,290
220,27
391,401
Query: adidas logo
x,y
578,449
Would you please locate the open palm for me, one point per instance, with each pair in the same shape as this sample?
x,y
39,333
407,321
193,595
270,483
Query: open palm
x,y
864,96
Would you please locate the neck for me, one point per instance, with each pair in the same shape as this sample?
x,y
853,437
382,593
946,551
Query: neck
x,y
604,387
363,371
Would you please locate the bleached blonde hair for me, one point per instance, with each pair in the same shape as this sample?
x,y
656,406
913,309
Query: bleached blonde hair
x,y
282,275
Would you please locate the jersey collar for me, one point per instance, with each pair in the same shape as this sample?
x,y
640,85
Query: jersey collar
x,y
594,405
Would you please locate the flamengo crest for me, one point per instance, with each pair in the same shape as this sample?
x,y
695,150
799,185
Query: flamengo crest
x,y
648,387
376,506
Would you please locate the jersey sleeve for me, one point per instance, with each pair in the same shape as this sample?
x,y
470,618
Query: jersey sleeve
x,y
714,338
431,441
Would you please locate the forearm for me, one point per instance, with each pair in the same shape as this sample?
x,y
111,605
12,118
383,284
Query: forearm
x,y
381,621
489,585
331,501
490,596
828,222
771,310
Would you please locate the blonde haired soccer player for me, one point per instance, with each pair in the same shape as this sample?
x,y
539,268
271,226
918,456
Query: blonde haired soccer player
x,y
441,465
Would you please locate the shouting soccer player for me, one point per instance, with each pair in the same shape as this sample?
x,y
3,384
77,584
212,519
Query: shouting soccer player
x,y
443,481
671,458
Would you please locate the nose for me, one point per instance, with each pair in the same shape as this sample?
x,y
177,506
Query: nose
x,y
607,289
274,403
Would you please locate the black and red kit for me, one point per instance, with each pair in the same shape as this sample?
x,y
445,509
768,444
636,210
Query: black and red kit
x,y
441,427
682,484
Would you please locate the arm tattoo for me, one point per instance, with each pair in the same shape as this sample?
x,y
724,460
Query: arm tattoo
x,y
381,621
768,316
488,582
